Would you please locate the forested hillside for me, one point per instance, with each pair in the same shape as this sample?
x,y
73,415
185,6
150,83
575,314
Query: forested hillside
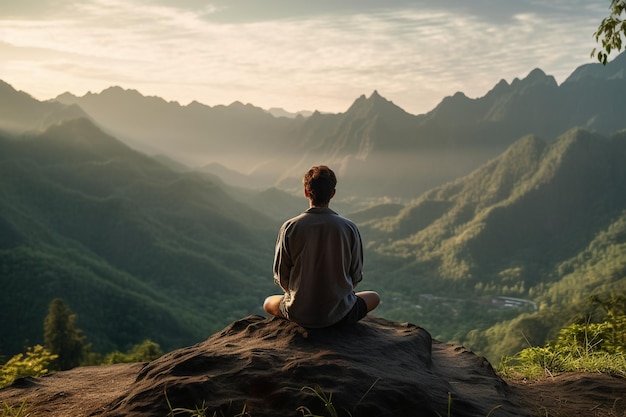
x,y
499,216
598,272
137,250
508,253
536,223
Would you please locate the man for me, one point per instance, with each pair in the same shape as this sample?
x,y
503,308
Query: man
x,y
318,262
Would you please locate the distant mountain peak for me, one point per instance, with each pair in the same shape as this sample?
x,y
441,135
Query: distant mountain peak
x,y
119,92
501,87
117,89
196,105
536,74
65,97
374,104
454,108
615,69
4,86
280,112
241,106
619,60
8,89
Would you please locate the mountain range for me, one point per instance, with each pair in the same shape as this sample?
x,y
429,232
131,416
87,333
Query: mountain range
x,y
515,194
379,149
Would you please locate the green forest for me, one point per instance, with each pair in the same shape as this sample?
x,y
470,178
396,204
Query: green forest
x,y
514,251
492,222
137,250
501,258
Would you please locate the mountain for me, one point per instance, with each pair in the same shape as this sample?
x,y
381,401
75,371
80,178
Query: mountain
x,y
382,149
528,198
280,112
21,112
537,105
612,70
482,219
137,250
508,229
195,134
596,272
378,148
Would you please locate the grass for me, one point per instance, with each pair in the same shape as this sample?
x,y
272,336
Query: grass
x,y
8,410
326,398
202,411
567,355
328,403
534,363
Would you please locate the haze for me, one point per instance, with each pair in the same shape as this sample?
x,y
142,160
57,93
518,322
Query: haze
x,y
295,55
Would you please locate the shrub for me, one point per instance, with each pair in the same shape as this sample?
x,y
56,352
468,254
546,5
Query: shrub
x,y
578,348
143,352
34,363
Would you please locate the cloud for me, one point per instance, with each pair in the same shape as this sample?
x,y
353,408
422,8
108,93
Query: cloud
x,y
297,59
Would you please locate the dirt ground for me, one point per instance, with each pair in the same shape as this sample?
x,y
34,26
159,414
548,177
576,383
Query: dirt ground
x,y
573,394
86,391
78,392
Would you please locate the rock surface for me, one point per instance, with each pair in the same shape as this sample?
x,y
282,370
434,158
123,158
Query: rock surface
x,y
273,367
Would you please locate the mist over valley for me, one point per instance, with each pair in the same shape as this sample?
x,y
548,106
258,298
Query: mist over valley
x,y
156,220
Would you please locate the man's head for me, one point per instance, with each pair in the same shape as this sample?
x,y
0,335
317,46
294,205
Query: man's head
x,y
319,185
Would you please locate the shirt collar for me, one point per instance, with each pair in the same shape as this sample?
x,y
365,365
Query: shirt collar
x,y
320,210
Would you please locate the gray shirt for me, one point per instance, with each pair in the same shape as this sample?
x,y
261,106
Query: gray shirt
x,y
318,262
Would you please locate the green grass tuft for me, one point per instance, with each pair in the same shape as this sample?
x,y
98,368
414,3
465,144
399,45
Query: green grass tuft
x,y
8,410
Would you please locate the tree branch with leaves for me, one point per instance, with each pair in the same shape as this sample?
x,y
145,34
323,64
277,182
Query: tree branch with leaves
x,y
610,32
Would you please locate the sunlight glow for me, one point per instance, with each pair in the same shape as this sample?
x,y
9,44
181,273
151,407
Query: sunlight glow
x,y
414,58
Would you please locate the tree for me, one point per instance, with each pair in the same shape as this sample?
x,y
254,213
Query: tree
x,y
610,31
61,337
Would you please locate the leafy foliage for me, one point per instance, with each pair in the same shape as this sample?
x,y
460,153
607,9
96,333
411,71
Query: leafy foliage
x,y
587,347
610,31
143,352
35,362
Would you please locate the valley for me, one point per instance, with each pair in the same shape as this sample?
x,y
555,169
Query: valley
x,y
490,222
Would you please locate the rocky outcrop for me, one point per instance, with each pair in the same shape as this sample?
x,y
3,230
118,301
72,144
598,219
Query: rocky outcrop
x,y
271,367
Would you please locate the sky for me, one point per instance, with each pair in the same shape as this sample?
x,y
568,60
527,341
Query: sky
x,y
292,54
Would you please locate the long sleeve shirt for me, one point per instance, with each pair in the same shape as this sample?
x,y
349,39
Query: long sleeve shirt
x,y
318,262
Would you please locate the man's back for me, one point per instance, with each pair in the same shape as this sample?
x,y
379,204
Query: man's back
x,y
318,262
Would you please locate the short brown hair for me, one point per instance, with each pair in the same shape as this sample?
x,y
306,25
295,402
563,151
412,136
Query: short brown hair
x,y
319,182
